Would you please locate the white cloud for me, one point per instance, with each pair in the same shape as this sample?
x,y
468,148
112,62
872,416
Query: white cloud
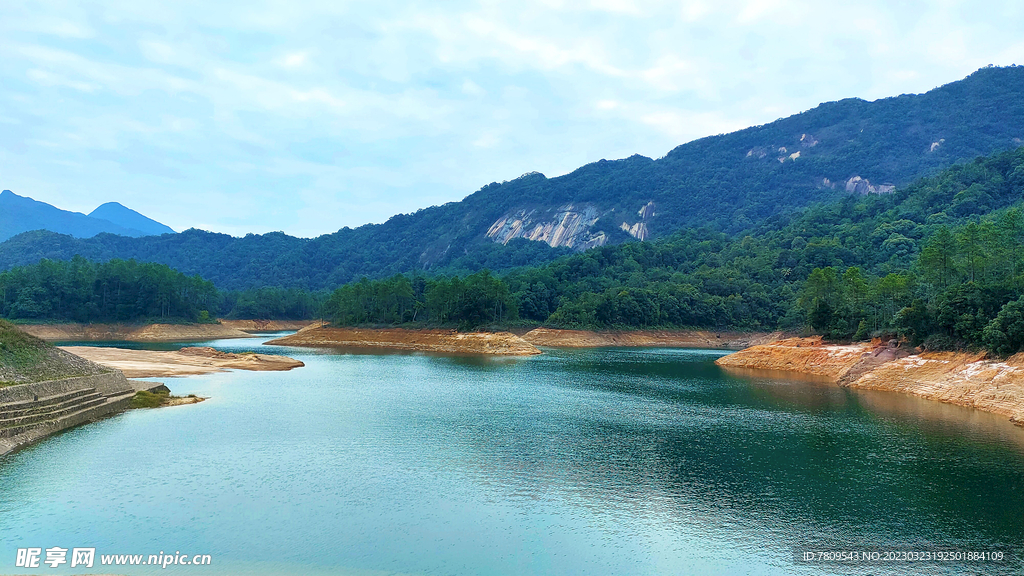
x,y
617,6
293,60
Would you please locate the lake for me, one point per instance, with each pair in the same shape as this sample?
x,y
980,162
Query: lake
x,y
600,461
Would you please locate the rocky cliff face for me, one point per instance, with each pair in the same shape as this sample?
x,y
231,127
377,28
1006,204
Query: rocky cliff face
x,y
569,225
858,185
639,229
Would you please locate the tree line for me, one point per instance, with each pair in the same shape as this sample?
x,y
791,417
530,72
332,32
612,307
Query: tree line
x,y
128,291
115,291
476,299
965,290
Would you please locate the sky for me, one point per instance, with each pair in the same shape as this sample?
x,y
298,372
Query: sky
x,y
308,116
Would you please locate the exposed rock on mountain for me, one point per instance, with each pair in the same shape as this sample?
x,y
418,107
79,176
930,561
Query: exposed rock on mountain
x,y
639,229
858,185
567,225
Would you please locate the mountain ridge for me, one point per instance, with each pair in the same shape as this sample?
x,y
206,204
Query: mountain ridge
x,y
730,182
123,216
20,214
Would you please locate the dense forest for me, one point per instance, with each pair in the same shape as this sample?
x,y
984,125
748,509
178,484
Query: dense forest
x,y
129,291
472,301
83,291
729,183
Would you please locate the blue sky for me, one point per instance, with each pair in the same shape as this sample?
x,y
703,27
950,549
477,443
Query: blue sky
x,y
309,116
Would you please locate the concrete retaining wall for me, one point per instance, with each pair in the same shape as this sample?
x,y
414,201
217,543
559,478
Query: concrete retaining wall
x,y
110,384
116,389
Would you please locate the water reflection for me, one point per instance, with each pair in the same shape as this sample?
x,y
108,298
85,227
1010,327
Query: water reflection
x,y
802,460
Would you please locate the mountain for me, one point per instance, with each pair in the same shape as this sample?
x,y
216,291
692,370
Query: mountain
x,y
20,214
128,218
938,262
729,182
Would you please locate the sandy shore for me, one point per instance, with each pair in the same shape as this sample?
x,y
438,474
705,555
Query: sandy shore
x,y
554,338
971,380
159,332
132,332
267,325
441,341
182,401
184,362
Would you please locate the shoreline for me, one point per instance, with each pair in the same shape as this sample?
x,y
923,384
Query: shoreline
x,y
522,343
421,340
191,361
715,339
428,339
255,326
124,332
966,379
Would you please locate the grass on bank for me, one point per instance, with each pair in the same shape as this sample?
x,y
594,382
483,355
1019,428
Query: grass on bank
x,y
146,399
25,359
155,399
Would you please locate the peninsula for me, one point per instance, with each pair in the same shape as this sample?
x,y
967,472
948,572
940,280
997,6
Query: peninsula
x,y
441,341
189,361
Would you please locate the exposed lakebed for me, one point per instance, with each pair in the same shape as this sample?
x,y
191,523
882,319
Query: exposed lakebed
x,y
587,461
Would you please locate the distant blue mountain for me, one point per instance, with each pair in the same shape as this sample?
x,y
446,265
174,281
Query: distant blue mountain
x,y
21,214
128,218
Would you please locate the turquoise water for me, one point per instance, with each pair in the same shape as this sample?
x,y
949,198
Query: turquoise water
x,y
607,461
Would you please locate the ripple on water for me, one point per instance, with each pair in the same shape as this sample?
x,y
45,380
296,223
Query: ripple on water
x,y
625,461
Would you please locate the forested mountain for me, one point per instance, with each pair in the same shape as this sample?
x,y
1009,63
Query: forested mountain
x,y
963,226
20,214
939,262
730,183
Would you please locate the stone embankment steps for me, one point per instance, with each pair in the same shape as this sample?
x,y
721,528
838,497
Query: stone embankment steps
x,y
49,411
42,405
14,421
31,412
